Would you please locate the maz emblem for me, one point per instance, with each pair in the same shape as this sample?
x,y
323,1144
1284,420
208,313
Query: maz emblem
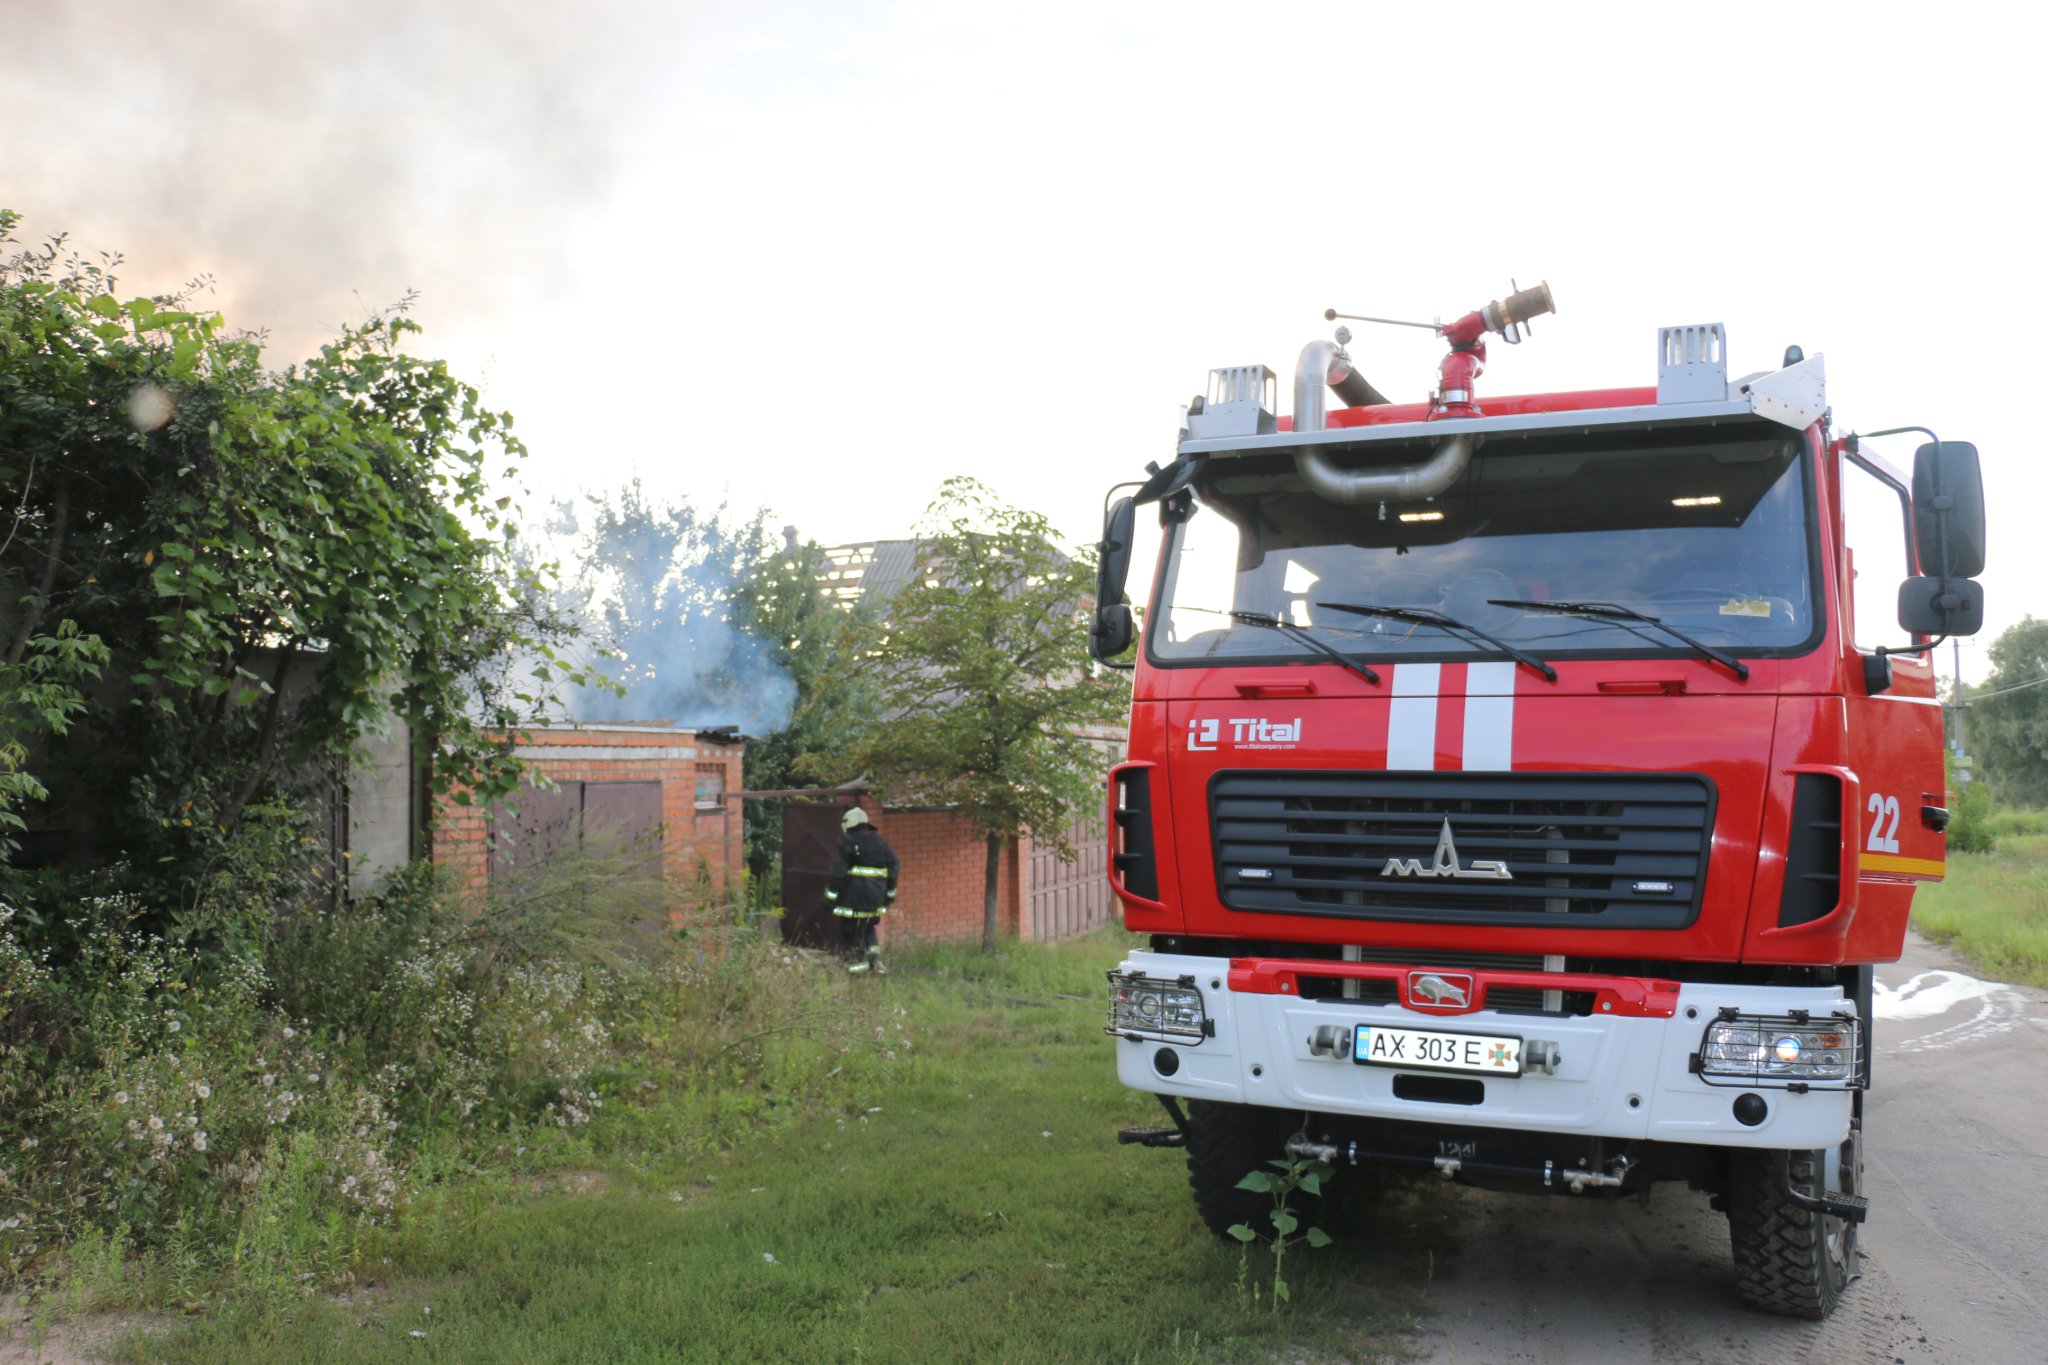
x,y
1445,864
1441,989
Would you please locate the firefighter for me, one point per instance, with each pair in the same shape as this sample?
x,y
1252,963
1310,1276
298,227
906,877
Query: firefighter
x,y
860,889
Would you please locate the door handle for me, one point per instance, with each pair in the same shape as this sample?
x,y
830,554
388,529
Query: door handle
x,y
1303,688
1642,687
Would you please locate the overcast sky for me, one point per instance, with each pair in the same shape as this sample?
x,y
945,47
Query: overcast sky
x,y
817,257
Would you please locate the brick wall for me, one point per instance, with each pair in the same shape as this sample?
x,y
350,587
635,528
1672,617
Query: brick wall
x,y
690,833
939,892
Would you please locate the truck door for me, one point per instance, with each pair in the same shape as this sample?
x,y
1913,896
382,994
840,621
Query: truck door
x,y
1894,740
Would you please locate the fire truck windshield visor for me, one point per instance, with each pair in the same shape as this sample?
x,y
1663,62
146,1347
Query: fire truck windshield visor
x,y
1711,532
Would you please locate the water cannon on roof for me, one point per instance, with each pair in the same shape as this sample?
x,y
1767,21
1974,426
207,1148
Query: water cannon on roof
x,y
1509,318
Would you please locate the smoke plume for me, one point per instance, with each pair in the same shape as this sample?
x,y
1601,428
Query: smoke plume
x,y
320,160
659,589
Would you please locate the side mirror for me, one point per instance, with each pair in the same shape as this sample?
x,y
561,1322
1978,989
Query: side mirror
x,y
1938,606
1948,511
1113,630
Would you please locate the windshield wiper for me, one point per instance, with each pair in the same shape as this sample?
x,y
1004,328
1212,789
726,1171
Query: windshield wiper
x,y
1429,616
1294,632
1621,616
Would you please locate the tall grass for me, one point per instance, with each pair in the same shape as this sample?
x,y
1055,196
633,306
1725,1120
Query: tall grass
x,y
1994,906
941,1183
250,1115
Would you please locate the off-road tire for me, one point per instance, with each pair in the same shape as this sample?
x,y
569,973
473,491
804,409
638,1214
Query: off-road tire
x,y
1788,1259
1227,1142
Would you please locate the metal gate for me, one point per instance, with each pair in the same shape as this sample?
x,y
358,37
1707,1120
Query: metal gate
x,y
1064,899
810,837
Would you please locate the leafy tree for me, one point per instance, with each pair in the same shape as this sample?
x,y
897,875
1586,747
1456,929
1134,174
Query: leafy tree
x,y
2006,721
784,602
220,529
980,667
40,694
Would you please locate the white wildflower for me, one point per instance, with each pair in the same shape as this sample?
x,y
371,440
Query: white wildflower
x,y
769,1257
205,1092
174,1026
291,1033
120,1097
199,1141
269,1078
156,1125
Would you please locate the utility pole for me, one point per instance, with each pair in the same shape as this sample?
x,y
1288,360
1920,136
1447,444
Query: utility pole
x,y
1956,701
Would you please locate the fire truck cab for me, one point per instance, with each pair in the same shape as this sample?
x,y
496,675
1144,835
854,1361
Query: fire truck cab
x,y
1522,788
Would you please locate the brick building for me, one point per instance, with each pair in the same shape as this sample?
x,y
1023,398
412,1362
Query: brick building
x,y
619,785
944,860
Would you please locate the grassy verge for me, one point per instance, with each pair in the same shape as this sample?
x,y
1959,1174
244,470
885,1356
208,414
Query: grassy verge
x,y
963,1200
1994,908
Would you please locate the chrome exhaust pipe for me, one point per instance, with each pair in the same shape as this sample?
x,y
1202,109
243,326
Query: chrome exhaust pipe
x,y
1407,483
1323,366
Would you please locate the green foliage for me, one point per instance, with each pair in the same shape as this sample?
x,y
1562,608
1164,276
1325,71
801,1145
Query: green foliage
x,y
271,1103
957,1200
39,696
981,670
275,561
1970,824
2007,717
783,601
1295,1173
1993,907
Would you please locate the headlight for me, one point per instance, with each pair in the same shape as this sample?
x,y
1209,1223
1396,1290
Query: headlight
x,y
1781,1052
1151,1007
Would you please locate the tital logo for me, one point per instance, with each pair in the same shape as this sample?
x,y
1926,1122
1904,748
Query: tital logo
x,y
1253,732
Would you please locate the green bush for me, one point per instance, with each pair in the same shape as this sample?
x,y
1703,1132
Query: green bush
x,y
1972,823
2007,822
253,1092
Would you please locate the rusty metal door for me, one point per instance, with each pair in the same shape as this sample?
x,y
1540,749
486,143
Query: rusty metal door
x,y
534,826
810,836
623,819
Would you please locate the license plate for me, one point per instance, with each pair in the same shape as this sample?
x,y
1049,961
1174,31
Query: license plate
x,y
1430,1050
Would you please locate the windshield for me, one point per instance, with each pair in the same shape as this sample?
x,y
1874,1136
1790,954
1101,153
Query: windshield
x,y
1706,533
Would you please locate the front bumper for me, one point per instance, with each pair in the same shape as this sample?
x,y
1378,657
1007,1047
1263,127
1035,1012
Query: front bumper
x,y
1627,1073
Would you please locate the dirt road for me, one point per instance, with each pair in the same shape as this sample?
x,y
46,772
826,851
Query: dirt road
x,y
1955,1264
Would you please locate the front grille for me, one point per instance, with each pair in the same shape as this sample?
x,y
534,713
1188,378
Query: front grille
x,y
1581,851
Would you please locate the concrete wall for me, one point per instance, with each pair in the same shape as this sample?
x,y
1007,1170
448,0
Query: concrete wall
x,y
381,818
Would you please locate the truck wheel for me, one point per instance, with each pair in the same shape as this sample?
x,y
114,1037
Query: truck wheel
x,y
1788,1259
1227,1142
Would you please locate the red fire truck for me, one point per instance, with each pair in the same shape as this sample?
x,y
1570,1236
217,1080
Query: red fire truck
x,y
1522,788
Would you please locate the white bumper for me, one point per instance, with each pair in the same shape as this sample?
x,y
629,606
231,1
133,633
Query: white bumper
x,y
1616,1077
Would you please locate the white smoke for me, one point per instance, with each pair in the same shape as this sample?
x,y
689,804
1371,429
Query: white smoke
x,y
658,590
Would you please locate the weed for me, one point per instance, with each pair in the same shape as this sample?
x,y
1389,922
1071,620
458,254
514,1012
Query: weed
x,y
1295,1174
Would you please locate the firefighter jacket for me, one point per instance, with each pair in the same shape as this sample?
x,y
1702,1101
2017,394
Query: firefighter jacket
x,y
863,879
